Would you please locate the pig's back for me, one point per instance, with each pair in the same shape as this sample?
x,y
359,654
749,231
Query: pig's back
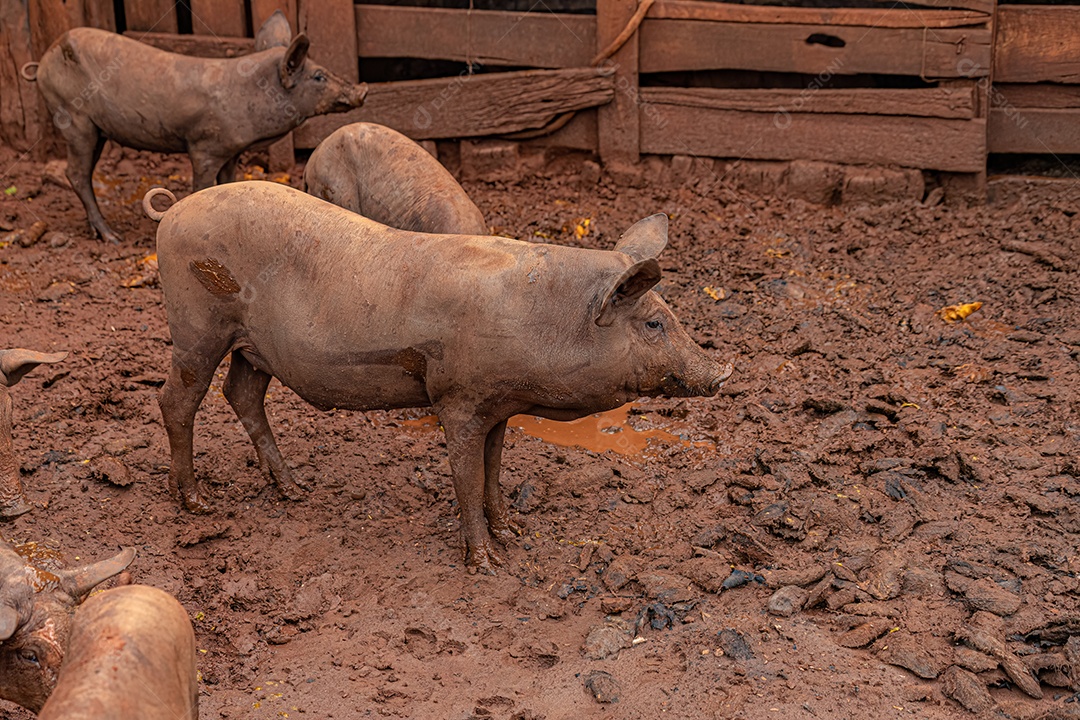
x,y
381,174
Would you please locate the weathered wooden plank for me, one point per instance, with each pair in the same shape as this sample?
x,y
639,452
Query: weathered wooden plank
x,y
331,25
985,6
1037,43
932,143
578,134
618,121
1038,95
864,17
673,45
218,17
470,105
922,102
100,14
281,155
198,45
496,38
1034,130
150,15
22,114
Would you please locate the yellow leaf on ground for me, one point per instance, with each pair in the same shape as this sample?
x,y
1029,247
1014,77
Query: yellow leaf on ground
x,y
957,313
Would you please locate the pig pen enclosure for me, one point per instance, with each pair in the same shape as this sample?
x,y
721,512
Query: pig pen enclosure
x,y
874,518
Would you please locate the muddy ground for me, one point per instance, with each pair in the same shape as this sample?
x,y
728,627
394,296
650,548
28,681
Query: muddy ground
x,y
875,518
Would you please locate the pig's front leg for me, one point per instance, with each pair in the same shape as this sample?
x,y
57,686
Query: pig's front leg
x,y
227,173
498,517
466,438
205,166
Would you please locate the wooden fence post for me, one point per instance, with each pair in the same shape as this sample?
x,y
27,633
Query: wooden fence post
x,y
618,121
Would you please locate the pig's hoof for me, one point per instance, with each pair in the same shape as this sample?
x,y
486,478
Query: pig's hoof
x,y
506,533
482,560
292,491
107,235
196,504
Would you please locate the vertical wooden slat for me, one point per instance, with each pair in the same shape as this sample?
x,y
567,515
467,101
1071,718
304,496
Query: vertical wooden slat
x,y
151,15
618,121
281,156
22,116
331,26
218,17
99,14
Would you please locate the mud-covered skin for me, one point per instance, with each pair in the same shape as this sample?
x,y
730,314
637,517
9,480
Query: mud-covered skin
x,y
102,86
383,175
14,364
36,609
354,315
131,656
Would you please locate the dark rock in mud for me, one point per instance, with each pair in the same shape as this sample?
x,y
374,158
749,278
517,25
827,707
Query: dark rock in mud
x,y
734,644
787,601
658,616
738,578
526,497
966,689
603,686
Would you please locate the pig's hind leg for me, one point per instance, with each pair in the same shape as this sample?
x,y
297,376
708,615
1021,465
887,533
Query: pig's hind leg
x,y
502,528
190,376
245,389
84,144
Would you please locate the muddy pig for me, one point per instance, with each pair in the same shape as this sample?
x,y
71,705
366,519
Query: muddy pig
x,y
99,85
37,602
131,657
13,365
383,175
355,315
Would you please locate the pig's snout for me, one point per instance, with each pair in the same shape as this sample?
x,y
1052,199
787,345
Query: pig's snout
x,y
705,382
351,96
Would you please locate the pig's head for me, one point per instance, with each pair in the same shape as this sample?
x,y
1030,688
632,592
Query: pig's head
x,y
649,349
36,611
311,88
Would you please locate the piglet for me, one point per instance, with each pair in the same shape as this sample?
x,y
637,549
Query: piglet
x,y
383,175
102,86
14,364
131,656
37,603
355,315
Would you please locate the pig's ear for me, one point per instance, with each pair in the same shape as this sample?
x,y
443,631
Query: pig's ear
x,y
275,32
645,238
16,363
293,60
637,280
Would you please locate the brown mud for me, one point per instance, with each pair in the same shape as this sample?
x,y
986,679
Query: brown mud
x,y
875,518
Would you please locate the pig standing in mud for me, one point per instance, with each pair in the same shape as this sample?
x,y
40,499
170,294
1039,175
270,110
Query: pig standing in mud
x,y
383,175
14,364
102,86
131,657
36,609
355,315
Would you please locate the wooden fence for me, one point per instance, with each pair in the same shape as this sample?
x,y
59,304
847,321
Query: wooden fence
x,y
935,85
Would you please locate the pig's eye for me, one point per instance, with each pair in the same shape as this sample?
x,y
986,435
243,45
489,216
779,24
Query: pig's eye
x,y
29,656
654,324
319,77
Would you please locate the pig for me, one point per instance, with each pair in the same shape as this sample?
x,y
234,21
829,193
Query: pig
x,y
14,364
131,656
36,609
383,175
102,86
352,314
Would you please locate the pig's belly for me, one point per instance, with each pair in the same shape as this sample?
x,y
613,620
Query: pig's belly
x,y
347,384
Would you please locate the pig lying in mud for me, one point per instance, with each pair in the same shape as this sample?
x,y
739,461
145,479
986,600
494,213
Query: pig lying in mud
x,y
14,364
383,175
131,657
99,85
355,315
36,609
